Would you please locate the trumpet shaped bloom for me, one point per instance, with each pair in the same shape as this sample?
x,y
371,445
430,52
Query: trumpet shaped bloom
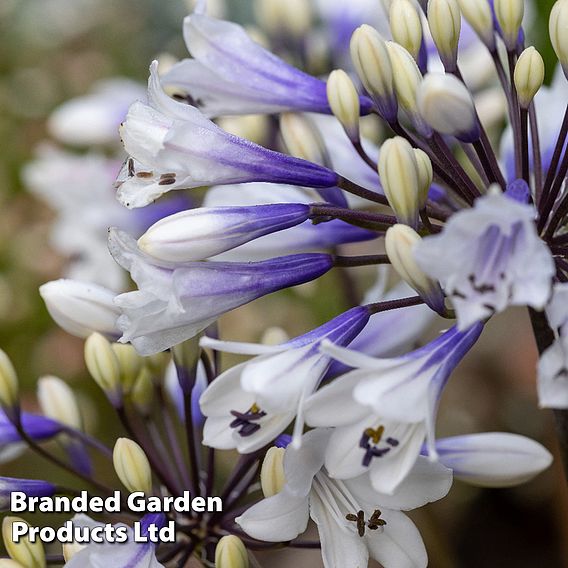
x,y
230,74
251,403
173,145
175,302
383,410
490,257
354,521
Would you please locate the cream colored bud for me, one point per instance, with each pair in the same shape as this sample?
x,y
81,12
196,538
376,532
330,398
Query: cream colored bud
x,y
529,75
9,387
344,102
253,127
400,241
447,106
407,77
157,364
58,402
444,20
302,138
8,563
103,365
70,549
142,394
425,176
372,62
558,28
398,170
27,553
284,17
510,17
272,478
406,27
129,362
231,553
132,466
480,17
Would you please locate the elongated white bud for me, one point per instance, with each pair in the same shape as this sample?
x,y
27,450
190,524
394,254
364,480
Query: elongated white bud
x,y
9,386
407,80
398,170
344,102
81,308
400,241
231,553
371,59
480,17
132,466
103,365
291,17
406,27
9,563
302,138
529,75
27,553
558,24
493,459
444,19
425,176
447,106
510,17
129,363
58,402
272,478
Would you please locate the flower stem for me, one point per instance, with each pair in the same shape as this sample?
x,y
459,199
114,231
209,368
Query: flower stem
x,y
394,304
352,187
544,337
364,260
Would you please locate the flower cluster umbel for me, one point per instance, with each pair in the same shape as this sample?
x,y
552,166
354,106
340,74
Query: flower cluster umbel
x,y
340,421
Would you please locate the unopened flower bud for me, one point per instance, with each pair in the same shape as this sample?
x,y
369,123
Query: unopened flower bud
x,y
103,365
58,402
142,394
231,553
291,17
529,75
132,466
253,127
407,80
406,27
444,19
372,61
510,17
302,139
447,106
129,362
558,24
398,170
344,102
157,364
200,233
493,459
425,176
272,478
9,387
27,553
400,241
9,563
480,17
81,308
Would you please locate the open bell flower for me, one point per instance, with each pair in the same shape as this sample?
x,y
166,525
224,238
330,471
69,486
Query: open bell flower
x,y
490,257
230,74
382,411
176,301
354,521
173,145
251,403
